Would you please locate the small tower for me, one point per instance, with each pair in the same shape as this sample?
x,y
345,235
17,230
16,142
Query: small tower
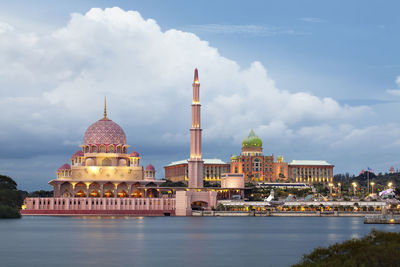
x,y
150,173
134,159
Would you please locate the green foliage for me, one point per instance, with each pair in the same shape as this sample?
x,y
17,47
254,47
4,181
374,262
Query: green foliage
x,y
10,198
169,183
209,184
376,249
7,183
41,193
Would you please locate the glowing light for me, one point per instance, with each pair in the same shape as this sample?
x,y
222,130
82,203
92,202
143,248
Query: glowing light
x,y
94,169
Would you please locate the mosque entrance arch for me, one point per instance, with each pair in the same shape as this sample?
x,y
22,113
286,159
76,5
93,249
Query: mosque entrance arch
x,y
199,205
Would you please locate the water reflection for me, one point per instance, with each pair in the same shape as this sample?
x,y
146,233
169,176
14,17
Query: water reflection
x,y
171,241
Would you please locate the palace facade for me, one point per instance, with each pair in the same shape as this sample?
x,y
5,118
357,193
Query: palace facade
x,y
258,167
311,171
213,170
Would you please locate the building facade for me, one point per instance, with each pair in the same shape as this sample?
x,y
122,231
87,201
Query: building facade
x,y
103,167
256,166
311,171
177,171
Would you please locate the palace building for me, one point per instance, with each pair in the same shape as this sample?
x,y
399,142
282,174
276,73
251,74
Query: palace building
x,y
255,166
311,171
258,167
103,167
213,170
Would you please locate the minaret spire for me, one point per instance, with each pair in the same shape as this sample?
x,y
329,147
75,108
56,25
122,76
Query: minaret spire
x,y
196,76
196,164
105,108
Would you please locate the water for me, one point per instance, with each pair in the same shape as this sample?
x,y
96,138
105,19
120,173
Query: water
x,y
171,241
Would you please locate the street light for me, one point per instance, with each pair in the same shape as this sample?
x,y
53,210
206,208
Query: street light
x,y
330,188
372,186
340,188
354,187
390,185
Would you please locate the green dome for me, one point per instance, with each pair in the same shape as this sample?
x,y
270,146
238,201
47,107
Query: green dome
x,y
252,140
233,157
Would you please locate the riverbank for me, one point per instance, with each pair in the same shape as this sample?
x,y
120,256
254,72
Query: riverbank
x,y
382,219
283,213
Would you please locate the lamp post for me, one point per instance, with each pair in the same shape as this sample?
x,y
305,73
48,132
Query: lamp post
x,y
354,187
340,188
372,187
390,185
330,188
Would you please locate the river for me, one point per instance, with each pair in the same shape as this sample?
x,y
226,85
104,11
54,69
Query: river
x,y
171,241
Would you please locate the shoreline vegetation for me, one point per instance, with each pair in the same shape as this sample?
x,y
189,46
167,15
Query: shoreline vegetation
x,y
10,198
378,248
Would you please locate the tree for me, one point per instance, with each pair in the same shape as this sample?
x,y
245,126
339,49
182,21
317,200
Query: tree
x,y
10,198
376,249
169,183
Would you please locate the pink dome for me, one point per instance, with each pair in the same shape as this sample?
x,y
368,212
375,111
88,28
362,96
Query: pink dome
x,y
134,154
78,153
150,168
104,131
64,167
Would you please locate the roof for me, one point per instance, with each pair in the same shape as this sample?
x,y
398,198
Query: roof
x,y
252,140
134,154
206,161
150,168
104,131
78,153
310,162
66,166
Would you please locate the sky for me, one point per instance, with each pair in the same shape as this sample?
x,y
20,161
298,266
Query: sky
x,y
316,80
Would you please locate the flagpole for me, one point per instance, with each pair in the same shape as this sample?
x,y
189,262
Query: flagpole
x,y
367,182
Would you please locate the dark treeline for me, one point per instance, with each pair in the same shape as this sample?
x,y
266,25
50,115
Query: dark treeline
x,y
10,198
381,180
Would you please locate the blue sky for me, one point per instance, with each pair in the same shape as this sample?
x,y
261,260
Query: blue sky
x,y
342,50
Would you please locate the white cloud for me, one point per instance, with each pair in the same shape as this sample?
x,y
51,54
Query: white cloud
x,y
311,19
255,30
52,86
395,92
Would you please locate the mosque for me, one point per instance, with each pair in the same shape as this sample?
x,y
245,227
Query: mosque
x,y
103,167
104,179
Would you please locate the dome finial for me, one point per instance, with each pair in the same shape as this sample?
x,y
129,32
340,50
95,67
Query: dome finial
x,y
105,108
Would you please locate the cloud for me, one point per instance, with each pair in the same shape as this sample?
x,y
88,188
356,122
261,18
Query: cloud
x,y
254,30
53,86
395,92
311,19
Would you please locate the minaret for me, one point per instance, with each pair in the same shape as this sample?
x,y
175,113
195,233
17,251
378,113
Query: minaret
x,y
196,164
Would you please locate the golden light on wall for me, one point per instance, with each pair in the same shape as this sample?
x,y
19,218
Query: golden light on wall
x,y
94,169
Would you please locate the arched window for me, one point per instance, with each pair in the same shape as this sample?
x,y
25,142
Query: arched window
x,y
111,149
124,150
94,149
87,149
106,162
118,149
102,149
